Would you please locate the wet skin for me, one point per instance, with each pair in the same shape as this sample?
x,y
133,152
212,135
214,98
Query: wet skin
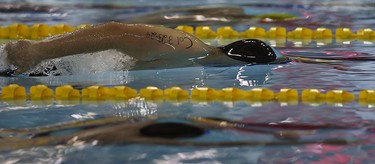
x,y
151,46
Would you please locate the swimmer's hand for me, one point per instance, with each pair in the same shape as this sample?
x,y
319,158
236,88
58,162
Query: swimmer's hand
x,y
22,56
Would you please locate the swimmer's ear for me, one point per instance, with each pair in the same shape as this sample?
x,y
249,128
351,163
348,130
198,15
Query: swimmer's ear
x,y
250,51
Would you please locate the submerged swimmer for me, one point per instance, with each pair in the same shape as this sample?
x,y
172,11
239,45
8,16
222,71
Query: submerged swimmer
x,y
169,131
151,47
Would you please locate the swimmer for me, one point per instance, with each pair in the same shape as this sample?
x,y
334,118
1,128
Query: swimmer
x,y
164,131
153,47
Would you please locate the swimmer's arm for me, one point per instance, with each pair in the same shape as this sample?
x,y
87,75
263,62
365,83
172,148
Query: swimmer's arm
x,y
134,39
123,37
97,38
25,54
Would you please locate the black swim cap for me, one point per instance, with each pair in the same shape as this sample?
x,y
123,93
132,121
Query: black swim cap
x,y
171,130
250,51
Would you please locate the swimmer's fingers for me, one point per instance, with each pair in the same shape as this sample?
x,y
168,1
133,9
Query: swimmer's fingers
x,y
16,67
23,69
22,65
19,69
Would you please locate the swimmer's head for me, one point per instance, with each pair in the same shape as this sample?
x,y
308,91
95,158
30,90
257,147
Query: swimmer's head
x,y
251,51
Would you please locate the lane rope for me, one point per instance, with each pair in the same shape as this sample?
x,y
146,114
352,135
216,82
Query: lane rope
x,y
40,31
177,94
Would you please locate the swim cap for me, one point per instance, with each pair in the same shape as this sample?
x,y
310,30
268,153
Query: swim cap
x,y
171,130
250,51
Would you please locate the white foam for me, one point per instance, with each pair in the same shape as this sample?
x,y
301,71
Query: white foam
x,y
103,61
4,65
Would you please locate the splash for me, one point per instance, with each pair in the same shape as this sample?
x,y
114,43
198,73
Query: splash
x,y
103,61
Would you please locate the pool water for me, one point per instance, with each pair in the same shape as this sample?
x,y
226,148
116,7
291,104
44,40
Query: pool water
x,y
341,70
